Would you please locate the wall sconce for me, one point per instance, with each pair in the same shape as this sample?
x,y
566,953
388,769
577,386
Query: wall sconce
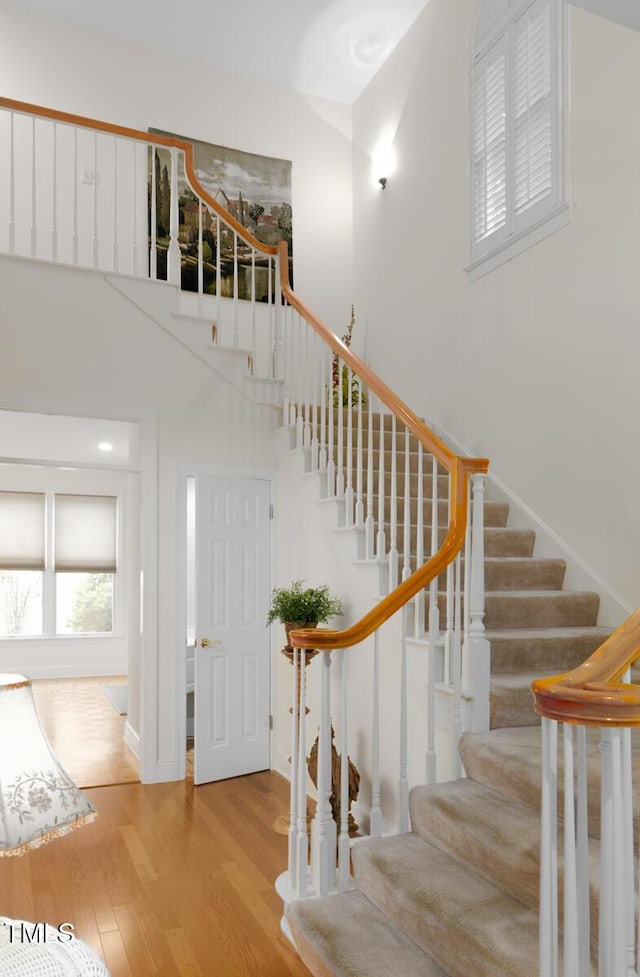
x,y
382,180
383,161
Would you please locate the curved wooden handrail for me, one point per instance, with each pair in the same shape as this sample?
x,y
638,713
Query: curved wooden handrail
x,y
459,468
151,139
592,694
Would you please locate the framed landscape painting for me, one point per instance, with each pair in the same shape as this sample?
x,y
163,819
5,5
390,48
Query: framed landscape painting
x,y
256,190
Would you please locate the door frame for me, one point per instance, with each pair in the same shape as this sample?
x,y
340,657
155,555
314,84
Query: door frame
x,y
184,472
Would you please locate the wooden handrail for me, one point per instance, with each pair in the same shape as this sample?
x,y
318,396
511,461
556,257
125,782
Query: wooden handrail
x,y
459,468
592,694
151,139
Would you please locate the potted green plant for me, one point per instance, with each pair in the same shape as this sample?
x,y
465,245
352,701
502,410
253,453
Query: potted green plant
x,y
302,607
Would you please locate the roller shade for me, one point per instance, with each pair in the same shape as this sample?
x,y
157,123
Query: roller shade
x,y
85,533
22,530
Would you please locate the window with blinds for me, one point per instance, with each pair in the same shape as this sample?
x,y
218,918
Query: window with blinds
x,y
517,159
57,580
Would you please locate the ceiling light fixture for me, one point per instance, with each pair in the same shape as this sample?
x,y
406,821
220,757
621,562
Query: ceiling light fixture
x,y
105,446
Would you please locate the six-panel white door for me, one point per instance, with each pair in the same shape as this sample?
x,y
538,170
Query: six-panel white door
x,y
232,673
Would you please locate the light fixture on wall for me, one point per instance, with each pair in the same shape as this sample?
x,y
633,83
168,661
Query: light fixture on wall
x,y
382,180
383,160
38,799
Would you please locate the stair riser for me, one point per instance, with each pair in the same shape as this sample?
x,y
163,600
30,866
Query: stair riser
x,y
495,513
541,654
498,541
512,707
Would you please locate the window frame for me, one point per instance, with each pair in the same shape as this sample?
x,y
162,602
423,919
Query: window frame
x,y
521,229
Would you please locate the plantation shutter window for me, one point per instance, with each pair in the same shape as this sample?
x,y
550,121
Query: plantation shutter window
x,y
22,532
533,107
519,191
490,144
85,533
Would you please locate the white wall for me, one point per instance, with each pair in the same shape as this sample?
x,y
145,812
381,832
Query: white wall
x,y
535,364
60,65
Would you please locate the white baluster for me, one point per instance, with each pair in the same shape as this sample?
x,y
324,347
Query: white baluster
x,y
153,247
348,492
323,828
54,195
570,926
322,448
254,349
369,525
476,649
173,254
403,782
134,212
293,793
434,636
331,464
381,541
448,627
12,184
236,283
618,960
307,373
582,833
393,514
628,854
200,257
95,200
340,446
114,191
406,515
418,602
218,273
302,335
343,844
467,566
456,678
548,949
315,366
301,836
359,512
34,218
375,816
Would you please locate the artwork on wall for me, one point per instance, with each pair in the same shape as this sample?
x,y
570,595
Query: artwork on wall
x,y
255,189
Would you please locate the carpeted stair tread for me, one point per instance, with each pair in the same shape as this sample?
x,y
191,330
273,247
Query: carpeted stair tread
x,y
496,837
466,924
543,649
347,936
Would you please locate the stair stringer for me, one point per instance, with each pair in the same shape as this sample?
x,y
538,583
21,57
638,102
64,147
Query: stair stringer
x,y
161,302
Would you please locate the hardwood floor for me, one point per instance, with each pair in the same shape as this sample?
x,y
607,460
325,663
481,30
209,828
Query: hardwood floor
x,y
171,880
85,730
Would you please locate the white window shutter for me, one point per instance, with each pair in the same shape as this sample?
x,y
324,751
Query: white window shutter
x,y
533,108
490,144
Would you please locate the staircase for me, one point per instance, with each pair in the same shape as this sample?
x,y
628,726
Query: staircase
x,y
461,889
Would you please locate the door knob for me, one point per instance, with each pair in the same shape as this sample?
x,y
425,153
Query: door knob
x,y
206,643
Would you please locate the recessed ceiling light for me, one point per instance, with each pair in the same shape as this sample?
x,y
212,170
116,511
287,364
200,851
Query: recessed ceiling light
x,y
105,446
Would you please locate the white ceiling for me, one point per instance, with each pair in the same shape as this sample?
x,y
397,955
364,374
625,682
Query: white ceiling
x,y
330,48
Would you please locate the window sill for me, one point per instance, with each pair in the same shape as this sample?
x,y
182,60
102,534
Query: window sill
x,y
520,242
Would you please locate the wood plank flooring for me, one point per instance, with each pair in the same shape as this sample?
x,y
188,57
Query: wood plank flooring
x,y
84,729
171,880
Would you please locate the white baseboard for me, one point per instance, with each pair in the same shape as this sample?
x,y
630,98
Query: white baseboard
x,y
132,739
579,574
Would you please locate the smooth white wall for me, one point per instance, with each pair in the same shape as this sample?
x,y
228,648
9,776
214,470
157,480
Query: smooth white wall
x,y
535,364
56,64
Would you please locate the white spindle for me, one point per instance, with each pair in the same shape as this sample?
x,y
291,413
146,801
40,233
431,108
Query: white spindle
x,y
406,515
582,833
381,541
293,792
12,184
343,843
448,626
323,830
218,272
340,437
628,853
375,817
359,511
153,249
348,491
114,191
33,235
301,363
418,603
307,389
236,284
322,448
277,367
301,834
476,649
316,383
548,935
200,256
571,930
95,201
54,194
173,255
331,464
134,212
393,513
369,525
456,677
403,780
254,350
434,636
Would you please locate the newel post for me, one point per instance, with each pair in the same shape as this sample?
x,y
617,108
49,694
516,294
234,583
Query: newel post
x,y
476,650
